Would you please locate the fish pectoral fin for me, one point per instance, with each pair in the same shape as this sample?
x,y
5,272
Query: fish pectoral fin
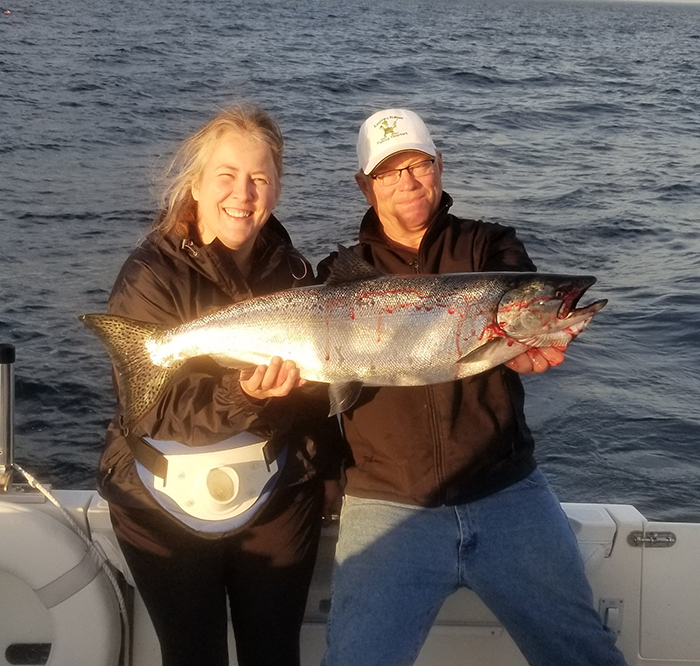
x,y
349,267
343,396
556,339
492,353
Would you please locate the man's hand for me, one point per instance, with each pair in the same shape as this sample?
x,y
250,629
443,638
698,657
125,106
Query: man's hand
x,y
332,502
536,360
271,381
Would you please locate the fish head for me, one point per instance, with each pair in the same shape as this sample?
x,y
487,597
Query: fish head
x,y
542,310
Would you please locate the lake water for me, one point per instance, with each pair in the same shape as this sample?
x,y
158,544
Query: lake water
x,y
577,123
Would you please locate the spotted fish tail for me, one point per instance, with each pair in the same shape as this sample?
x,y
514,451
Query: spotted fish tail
x,y
140,381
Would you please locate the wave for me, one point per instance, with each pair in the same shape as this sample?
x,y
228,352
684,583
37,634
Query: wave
x,y
574,123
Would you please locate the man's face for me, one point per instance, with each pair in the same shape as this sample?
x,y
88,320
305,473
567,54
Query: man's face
x,y
407,207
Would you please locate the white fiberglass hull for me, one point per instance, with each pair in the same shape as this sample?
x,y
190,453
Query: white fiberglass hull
x,y
58,609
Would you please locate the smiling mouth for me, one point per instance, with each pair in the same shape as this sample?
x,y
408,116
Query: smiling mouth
x,y
237,213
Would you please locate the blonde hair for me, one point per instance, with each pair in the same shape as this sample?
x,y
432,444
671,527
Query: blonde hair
x,y
178,209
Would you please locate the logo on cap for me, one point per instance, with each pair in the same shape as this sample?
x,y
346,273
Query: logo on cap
x,y
389,129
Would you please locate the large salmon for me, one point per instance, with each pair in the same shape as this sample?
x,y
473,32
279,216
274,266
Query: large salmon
x,y
360,328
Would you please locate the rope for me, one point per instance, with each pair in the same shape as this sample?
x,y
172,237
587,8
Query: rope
x,y
97,553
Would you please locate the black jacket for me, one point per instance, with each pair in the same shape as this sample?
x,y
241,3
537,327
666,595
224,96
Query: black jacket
x,y
445,443
170,281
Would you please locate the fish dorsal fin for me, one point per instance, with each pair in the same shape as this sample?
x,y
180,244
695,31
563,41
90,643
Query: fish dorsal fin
x,y
349,267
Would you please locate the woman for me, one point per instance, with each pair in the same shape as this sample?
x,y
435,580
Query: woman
x,y
216,242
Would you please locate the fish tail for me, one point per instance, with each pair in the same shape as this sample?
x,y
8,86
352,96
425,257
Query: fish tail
x,y
140,381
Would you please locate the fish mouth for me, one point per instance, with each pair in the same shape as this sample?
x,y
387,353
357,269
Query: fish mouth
x,y
570,298
582,313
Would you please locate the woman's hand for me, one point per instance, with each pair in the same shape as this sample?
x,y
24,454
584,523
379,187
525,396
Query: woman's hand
x,y
271,381
537,360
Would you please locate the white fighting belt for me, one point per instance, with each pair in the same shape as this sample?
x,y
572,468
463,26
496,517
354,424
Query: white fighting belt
x,y
214,488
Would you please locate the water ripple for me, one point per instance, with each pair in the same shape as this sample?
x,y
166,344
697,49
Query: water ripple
x,y
576,122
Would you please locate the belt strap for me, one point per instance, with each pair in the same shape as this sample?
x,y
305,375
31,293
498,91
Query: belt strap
x,y
150,457
157,464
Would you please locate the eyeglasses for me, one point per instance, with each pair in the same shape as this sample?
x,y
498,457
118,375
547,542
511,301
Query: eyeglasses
x,y
417,170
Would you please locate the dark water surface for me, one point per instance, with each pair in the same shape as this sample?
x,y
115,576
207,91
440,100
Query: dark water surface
x,y
577,123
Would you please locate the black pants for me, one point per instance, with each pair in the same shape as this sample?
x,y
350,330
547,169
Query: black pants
x,y
264,571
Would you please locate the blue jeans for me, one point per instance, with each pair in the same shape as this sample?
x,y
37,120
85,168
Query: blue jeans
x,y
396,564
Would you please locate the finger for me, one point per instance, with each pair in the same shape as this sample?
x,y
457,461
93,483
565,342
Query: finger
x,y
554,355
289,383
285,381
282,377
285,370
539,362
269,379
521,364
246,373
253,381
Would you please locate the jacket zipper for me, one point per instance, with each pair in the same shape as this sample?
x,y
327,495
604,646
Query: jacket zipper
x,y
437,445
434,425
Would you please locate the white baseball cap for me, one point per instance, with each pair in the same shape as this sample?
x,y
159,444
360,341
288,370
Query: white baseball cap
x,y
388,132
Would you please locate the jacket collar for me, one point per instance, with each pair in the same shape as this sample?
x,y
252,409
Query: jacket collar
x,y
215,261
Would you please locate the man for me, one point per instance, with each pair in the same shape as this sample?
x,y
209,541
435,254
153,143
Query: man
x,y
444,491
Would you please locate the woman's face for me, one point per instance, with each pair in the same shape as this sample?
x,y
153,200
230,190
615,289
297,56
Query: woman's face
x,y
237,191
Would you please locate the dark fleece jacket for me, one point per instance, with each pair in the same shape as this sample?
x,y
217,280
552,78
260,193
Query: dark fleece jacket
x,y
445,443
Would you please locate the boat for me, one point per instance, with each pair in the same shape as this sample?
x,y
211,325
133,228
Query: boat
x,y
67,597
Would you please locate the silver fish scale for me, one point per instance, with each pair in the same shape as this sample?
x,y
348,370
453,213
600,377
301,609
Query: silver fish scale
x,y
383,331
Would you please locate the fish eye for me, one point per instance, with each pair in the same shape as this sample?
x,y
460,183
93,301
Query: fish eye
x,y
559,293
